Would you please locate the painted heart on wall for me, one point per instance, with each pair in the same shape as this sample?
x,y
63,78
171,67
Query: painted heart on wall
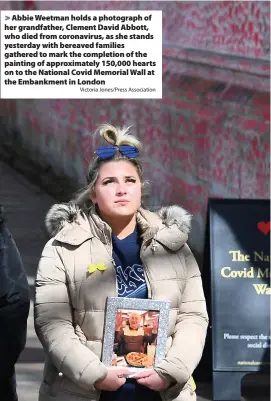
x,y
264,227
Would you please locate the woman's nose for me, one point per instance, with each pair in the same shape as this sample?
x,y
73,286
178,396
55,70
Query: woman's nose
x,y
121,189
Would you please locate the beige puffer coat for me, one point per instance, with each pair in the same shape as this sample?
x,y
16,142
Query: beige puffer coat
x,y
69,302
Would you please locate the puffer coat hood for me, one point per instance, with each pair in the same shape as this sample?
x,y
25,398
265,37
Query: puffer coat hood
x,y
169,225
61,214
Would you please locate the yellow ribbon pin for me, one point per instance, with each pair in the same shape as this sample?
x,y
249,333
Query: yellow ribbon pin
x,y
193,384
98,266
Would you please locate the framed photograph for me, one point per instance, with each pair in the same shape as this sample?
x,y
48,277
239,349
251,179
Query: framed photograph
x,y
135,332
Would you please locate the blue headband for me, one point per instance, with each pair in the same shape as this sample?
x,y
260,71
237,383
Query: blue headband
x,y
107,152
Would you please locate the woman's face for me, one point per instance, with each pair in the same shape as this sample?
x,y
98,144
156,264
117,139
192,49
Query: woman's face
x,y
117,190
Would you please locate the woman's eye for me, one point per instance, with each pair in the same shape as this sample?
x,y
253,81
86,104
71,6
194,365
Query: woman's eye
x,y
109,181
130,180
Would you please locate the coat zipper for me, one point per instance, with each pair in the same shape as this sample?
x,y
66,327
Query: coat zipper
x,y
109,250
146,270
148,281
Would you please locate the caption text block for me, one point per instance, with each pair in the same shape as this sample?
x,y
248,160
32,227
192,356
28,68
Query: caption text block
x,y
81,54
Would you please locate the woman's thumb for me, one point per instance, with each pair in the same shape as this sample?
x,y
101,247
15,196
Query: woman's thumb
x,y
123,372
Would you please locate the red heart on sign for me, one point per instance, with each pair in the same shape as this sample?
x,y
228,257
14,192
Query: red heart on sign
x,y
264,227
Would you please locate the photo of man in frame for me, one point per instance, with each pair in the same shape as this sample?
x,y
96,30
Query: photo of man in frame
x,y
135,338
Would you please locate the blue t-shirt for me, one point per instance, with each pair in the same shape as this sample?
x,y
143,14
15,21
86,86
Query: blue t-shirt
x,y
131,284
129,269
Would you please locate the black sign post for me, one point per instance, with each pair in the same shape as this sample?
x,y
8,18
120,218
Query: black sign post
x,y
240,292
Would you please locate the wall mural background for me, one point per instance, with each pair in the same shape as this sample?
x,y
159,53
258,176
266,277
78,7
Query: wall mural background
x,y
207,137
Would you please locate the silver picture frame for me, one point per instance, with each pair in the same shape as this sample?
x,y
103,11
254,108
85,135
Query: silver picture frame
x,y
149,308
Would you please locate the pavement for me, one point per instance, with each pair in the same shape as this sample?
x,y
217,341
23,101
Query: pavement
x,y
26,206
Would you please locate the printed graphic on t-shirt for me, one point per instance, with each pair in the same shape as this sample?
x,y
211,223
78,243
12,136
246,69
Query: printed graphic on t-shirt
x,y
131,281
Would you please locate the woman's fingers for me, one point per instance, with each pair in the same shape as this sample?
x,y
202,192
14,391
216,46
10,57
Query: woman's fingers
x,y
144,374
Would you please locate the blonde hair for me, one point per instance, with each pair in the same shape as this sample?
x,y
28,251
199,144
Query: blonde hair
x,y
114,136
118,136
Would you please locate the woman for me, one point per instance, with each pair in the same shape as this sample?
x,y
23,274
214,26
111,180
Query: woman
x,y
143,255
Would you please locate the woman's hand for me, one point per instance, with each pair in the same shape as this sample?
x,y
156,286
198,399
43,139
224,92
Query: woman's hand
x,y
115,378
152,380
